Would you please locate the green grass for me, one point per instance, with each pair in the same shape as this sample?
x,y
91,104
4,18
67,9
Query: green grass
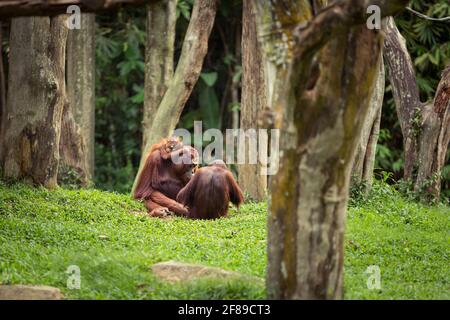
x,y
43,232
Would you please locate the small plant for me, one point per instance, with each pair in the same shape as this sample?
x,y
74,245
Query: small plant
x,y
358,191
69,178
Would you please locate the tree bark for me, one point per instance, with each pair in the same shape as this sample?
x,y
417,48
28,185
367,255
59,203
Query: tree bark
x,y
81,94
253,101
366,149
36,96
72,167
16,8
320,124
406,93
2,86
424,125
434,139
195,47
159,56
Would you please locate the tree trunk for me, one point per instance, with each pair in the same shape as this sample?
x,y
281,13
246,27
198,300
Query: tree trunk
x,y
195,47
434,139
81,95
406,93
2,87
73,167
16,8
424,125
366,149
36,95
161,21
321,122
253,100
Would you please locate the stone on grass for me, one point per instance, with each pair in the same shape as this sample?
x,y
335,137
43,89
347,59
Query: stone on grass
x,y
23,292
174,271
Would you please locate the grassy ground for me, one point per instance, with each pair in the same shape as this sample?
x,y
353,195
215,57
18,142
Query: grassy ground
x,y
43,232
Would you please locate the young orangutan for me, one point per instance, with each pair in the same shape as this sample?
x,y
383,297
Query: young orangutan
x,y
162,178
209,192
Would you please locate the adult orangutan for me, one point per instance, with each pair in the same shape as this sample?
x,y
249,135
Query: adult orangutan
x,y
209,192
162,178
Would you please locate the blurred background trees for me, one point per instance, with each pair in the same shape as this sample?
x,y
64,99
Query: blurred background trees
x,y
120,86
215,99
428,43
120,62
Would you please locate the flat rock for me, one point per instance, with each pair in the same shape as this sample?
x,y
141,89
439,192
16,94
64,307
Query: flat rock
x,y
23,292
174,271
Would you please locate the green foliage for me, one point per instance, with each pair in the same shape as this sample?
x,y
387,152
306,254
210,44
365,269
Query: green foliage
x,y
407,188
68,177
208,101
184,8
108,236
211,100
209,105
120,86
209,78
387,158
119,97
358,190
428,43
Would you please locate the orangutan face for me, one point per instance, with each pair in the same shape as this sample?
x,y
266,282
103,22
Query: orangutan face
x,y
173,144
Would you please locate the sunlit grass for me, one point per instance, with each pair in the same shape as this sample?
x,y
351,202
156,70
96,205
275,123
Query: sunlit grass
x,y
43,232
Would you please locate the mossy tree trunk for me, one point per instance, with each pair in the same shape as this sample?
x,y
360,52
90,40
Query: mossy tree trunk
x,y
254,99
366,149
73,165
325,73
161,22
193,52
434,139
406,93
31,127
78,128
424,125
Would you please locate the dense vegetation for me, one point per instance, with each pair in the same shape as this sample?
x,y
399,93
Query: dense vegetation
x,y
120,84
111,238
428,45
106,234
120,74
